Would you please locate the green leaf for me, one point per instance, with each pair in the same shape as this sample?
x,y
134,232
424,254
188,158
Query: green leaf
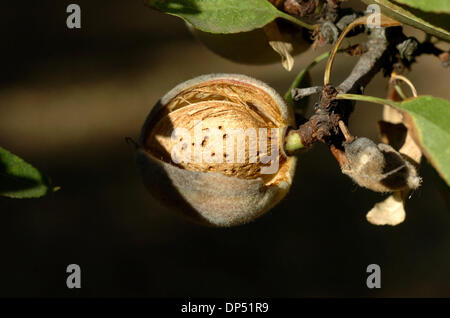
x,y
440,6
430,118
19,179
430,22
223,16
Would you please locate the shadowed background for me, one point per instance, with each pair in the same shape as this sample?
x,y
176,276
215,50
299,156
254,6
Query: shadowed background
x,y
67,100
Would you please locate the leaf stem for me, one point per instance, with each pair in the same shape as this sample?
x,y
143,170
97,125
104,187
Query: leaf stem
x,y
326,78
295,20
400,92
364,98
347,135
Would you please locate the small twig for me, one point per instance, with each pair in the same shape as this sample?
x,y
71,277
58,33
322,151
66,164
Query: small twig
x,y
299,93
289,96
326,79
384,21
330,120
347,135
323,126
368,64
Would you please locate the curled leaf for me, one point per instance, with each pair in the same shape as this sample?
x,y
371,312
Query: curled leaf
x,y
391,211
280,44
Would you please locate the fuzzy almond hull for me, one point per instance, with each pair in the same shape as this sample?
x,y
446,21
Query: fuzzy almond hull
x,y
210,198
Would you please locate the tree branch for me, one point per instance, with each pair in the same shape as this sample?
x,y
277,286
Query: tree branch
x,y
323,126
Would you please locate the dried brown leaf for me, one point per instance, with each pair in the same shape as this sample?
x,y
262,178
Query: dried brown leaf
x,y
280,44
394,131
391,211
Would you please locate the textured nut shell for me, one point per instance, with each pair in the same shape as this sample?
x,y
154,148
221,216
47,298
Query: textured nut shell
x,y
210,197
231,116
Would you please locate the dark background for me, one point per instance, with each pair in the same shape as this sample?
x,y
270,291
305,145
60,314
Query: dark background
x,y
67,100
